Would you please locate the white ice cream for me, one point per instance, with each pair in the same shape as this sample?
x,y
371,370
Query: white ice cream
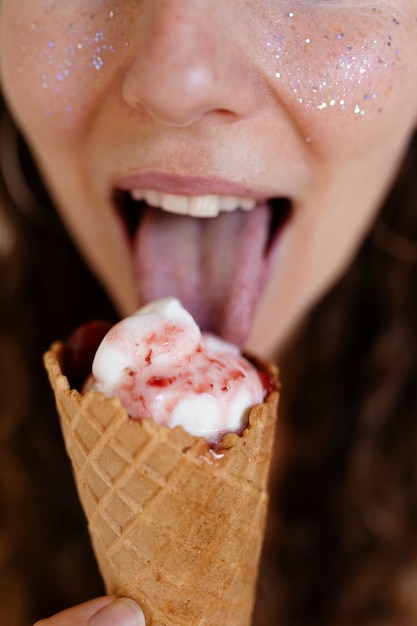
x,y
159,364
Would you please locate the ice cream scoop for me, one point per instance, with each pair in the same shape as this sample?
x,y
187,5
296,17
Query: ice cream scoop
x,y
159,364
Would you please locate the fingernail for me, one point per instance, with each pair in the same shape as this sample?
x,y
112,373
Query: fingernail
x,y
123,612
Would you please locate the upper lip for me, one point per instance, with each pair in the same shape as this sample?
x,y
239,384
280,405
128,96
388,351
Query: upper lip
x,y
171,183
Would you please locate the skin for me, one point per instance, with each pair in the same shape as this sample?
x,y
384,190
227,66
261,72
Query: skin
x,y
105,611
312,100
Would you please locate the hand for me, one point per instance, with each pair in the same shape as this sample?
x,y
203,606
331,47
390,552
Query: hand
x,y
106,611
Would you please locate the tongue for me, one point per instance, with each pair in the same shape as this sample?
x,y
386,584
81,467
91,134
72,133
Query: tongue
x,y
215,266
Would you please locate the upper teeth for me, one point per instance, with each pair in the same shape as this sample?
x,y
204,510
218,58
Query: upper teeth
x,y
197,206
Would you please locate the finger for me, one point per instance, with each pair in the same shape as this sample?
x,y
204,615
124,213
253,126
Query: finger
x,y
83,612
122,612
106,611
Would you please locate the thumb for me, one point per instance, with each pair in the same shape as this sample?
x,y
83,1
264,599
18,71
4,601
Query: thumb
x,y
121,612
106,611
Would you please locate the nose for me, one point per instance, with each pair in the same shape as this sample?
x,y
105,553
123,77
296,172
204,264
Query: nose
x,y
185,63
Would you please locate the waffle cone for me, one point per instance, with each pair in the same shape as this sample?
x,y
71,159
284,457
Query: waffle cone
x,y
174,525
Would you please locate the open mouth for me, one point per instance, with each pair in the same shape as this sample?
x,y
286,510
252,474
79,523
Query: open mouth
x,y
214,253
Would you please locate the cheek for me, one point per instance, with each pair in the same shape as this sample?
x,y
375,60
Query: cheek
x,y
55,67
334,69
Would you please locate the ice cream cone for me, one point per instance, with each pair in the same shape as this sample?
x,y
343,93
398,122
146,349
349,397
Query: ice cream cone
x,y
174,524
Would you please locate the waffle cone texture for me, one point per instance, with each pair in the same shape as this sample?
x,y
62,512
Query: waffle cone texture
x,y
174,524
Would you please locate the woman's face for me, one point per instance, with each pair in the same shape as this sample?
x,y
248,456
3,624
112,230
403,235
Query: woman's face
x,y
284,121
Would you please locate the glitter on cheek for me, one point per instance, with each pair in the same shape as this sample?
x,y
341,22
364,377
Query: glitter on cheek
x,y
59,60
336,70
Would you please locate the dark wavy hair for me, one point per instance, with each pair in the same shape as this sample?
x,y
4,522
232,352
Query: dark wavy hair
x,y
341,547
